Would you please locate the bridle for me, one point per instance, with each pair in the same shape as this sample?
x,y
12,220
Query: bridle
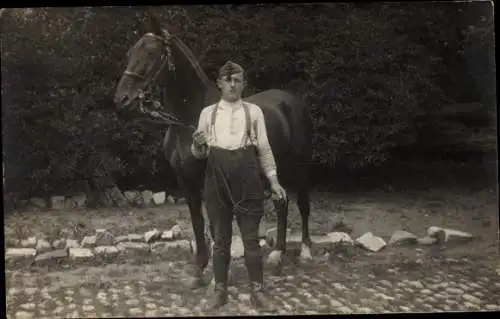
x,y
147,103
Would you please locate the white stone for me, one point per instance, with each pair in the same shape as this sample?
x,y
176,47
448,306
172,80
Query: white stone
x,y
340,237
176,231
57,202
416,284
43,246
152,235
106,250
19,252
371,242
181,200
88,308
89,241
80,200
30,290
147,197
28,306
131,246
166,246
491,307
104,238
80,253
159,198
151,306
470,305
339,286
135,238
167,235
401,237
29,243
121,239
135,312
455,291
237,248
384,296
471,298
132,302
427,240
170,199
51,255
449,235
72,243
344,310
24,315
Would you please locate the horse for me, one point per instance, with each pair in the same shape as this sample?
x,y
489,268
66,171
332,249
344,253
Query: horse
x,y
163,61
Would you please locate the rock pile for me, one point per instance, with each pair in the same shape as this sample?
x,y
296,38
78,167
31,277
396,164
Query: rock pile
x,y
104,244
135,198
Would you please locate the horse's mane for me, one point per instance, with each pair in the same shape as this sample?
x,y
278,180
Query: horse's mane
x,y
192,60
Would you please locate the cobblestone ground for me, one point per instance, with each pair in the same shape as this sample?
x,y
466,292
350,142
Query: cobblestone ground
x,y
335,283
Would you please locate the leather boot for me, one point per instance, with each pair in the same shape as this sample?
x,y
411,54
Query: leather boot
x,y
219,297
254,266
258,297
221,265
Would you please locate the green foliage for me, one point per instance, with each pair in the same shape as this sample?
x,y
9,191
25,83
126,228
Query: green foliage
x,y
372,74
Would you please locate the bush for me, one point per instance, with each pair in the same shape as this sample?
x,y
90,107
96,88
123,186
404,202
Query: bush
x,y
373,76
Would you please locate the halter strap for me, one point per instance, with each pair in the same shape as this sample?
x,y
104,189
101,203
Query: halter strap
x,y
248,123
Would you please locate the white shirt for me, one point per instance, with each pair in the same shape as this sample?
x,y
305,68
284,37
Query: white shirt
x,y
230,131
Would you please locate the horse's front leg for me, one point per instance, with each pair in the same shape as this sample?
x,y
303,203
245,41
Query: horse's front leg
x,y
197,220
275,258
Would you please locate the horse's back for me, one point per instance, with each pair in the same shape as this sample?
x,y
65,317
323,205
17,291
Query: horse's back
x,y
288,123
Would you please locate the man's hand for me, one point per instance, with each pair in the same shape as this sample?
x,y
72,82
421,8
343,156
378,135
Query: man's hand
x,y
200,138
278,192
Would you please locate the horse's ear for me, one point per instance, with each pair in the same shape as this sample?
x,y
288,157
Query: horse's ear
x,y
165,33
156,26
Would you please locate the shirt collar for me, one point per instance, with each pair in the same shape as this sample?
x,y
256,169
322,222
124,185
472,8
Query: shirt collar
x,y
223,104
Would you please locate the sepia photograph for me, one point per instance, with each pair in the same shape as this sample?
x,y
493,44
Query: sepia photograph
x,y
250,159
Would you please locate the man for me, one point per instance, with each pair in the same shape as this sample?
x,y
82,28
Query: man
x,y
232,136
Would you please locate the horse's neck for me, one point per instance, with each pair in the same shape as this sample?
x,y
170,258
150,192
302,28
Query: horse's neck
x,y
191,87
188,90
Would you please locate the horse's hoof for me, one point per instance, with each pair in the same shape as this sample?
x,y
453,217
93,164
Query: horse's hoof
x,y
196,282
229,280
305,253
274,258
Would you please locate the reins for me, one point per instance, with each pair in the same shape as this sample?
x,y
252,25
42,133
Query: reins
x,y
165,117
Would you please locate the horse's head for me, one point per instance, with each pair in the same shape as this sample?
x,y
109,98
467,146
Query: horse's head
x,y
145,61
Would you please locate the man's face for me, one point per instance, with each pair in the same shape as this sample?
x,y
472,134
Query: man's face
x,y
232,86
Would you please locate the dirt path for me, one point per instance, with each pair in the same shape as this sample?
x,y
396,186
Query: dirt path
x,y
406,279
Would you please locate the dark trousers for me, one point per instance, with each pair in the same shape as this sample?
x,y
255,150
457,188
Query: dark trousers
x,y
233,188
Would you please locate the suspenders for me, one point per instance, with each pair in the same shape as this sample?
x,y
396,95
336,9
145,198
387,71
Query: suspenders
x,y
248,123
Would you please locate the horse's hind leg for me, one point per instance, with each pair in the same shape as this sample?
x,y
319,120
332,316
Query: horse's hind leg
x,y
303,202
